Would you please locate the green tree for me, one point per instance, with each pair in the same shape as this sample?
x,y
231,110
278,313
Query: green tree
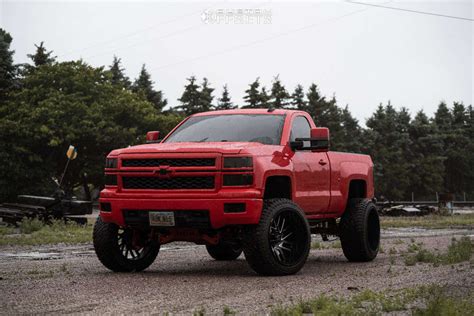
x,y
297,99
351,133
316,104
457,158
205,96
42,56
8,71
264,99
252,97
224,102
62,104
426,158
190,99
279,97
144,85
386,140
118,77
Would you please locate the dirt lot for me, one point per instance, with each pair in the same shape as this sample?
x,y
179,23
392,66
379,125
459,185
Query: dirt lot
x,y
69,279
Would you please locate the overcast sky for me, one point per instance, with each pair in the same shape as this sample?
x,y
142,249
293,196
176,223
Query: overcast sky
x,y
364,55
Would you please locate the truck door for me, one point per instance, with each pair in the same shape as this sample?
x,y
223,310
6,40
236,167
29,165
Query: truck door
x,y
311,172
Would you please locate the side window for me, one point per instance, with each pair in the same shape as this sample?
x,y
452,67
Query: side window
x,y
300,128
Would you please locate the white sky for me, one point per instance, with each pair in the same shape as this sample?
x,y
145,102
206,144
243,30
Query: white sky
x,y
365,55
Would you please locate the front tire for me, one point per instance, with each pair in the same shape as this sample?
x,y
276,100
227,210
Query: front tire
x,y
360,231
124,249
224,251
280,243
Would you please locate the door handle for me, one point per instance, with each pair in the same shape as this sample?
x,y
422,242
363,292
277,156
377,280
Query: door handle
x,y
322,162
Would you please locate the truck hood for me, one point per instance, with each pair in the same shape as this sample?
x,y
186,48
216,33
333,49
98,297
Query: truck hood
x,y
194,147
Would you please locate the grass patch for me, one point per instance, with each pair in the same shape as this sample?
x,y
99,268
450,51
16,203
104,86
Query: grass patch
x,y
458,251
35,232
432,298
430,221
330,244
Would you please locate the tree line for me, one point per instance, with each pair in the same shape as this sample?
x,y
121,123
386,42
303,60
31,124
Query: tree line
x,y
46,105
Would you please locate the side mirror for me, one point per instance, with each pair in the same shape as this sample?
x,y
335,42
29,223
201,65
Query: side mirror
x,y
318,142
319,139
152,137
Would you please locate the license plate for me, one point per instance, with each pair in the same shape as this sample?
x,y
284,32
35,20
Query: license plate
x,y
161,218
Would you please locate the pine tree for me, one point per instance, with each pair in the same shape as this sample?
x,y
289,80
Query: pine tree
x,y
206,97
8,71
42,56
264,99
252,96
143,85
224,102
426,157
298,101
190,99
386,141
117,74
351,133
456,142
279,96
316,104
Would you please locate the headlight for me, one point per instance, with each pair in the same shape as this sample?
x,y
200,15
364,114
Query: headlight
x,y
111,163
238,162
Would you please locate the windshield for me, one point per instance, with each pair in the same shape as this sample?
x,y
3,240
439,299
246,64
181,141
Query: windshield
x,y
261,128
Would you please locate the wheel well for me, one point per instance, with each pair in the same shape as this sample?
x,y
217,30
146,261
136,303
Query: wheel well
x,y
278,187
357,189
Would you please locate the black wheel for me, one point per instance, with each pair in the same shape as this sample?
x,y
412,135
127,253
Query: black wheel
x,y
280,243
225,251
124,249
360,231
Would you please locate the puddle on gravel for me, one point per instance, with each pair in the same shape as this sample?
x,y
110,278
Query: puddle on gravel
x,y
423,232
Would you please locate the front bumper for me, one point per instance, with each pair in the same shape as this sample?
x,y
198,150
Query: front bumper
x,y
214,205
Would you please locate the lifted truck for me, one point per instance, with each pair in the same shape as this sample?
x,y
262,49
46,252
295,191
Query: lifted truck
x,y
254,181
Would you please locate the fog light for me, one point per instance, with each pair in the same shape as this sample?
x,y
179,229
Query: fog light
x,y
237,179
110,179
234,207
105,207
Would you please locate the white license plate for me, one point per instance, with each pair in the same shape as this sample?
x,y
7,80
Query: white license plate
x,y
161,218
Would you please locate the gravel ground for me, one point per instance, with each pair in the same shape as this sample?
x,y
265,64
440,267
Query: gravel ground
x,y
69,279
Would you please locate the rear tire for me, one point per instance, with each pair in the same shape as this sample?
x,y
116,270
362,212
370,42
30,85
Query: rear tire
x,y
280,243
360,231
224,251
123,249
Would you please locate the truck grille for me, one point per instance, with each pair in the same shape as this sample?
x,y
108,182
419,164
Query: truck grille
x,y
205,182
173,162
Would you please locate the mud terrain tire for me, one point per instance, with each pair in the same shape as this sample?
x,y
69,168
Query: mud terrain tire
x,y
280,243
114,250
360,231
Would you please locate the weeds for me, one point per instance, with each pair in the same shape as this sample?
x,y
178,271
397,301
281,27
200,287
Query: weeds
x,y
368,302
30,225
228,311
35,232
458,251
430,221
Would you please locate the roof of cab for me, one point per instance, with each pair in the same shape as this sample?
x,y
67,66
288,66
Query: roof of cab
x,y
247,111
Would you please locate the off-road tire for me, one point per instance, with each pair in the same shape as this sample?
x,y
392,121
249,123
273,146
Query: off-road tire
x,y
257,245
360,231
105,238
224,251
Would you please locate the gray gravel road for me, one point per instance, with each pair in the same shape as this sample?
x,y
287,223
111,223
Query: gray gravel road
x,y
69,279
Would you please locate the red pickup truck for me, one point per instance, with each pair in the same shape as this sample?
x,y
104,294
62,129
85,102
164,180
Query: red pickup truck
x,y
256,181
